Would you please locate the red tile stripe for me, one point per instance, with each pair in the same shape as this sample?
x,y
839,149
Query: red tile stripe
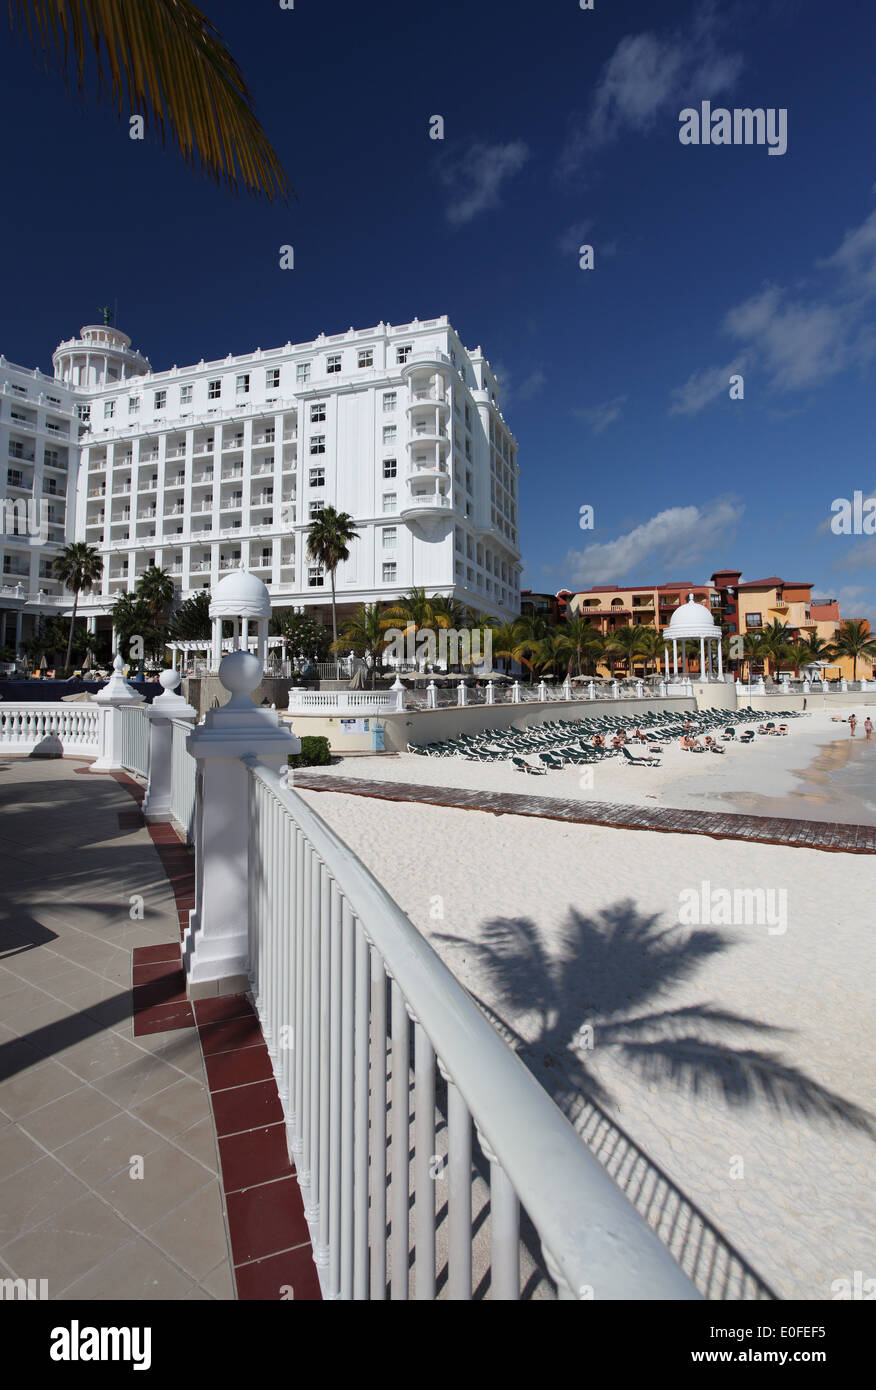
x,y
270,1240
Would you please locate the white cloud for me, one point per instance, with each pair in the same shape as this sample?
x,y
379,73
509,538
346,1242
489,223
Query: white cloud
x,y
854,601
603,415
798,343
531,385
701,388
476,177
675,538
647,75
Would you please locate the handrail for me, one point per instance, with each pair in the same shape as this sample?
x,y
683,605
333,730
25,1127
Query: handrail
x,y
590,1234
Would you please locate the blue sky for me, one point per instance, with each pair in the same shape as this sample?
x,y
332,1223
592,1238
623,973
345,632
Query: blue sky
x,y
561,128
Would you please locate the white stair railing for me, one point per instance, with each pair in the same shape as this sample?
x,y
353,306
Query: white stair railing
x,y
347,991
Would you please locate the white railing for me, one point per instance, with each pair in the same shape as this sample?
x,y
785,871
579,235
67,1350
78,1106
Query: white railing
x,y
24,726
183,770
134,740
339,701
348,992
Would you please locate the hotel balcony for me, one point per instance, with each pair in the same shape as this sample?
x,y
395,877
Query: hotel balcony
x,y
231,473
205,476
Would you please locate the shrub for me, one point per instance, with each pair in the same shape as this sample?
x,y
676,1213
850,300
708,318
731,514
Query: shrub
x,y
314,753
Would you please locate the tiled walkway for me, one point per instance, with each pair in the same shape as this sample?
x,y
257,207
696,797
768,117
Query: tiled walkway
x,y
802,834
101,1082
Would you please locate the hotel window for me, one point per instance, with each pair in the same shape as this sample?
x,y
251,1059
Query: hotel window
x,y
753,620
390,434
133,405
390,537
389,572
109,409
185,395
403,353
366,357
84,411
317,444
315,509
317,413
242,384
333,362
272,378
390,468
467,417
214,390
390,501
160,400
317,477
302,371
267,555
390,400
315,577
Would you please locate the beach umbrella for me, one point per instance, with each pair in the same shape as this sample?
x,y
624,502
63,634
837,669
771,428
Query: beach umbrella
x,y
357,681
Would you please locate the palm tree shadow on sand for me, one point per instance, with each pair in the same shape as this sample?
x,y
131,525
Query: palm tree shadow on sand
x,y
600,986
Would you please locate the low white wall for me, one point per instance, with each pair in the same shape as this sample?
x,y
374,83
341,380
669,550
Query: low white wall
x,y
835,701
432,726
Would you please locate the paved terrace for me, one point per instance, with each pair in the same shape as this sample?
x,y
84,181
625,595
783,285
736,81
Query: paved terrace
x,y
142,1150
768,830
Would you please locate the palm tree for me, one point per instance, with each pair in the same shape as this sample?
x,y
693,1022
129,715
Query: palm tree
x,y
328,537
131,618
168,62
579,642
504,641
155,588
855,639
626,643
756,650
416,612
809,650
365,631
79,566
651,646
776,642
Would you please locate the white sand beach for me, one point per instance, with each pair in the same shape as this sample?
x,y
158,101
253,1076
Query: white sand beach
x,y
746,1101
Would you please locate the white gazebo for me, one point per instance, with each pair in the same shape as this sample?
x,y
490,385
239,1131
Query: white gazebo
x,y
692,622
243,599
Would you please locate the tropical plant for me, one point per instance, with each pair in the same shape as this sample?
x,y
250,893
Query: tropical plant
x,y
756,651
579,642
51,642
504,642
191,621
155,588
652,646
625,644
854,639
532,630
166,61
328,539
775,644
304,637
365,631
79,566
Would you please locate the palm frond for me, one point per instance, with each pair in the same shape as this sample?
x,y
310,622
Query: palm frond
x,y
165,61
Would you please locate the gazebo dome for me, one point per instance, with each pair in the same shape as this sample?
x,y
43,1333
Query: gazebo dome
x,y
691,620
240,595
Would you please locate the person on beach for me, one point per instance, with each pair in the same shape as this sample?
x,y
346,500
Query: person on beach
x,y
868,727
852,724
598,741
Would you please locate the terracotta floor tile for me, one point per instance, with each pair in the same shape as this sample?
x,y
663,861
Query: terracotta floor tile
x,y
238,1068
266,1220
229,1037
256,1156
220,1010
291,1275
246,1107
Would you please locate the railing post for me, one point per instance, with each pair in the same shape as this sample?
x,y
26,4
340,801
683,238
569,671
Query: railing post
x,y
432,695
491,694
167,707
542,691
115,696
400,692
215,949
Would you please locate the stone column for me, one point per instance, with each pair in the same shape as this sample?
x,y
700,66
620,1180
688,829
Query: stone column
x,y
216,651
215,948
703,659
720,661
567,689
591,691
432,695
164,709
515,693
461,694
491,694
399,692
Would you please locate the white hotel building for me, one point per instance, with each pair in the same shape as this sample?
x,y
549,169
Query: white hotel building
x,y
203,469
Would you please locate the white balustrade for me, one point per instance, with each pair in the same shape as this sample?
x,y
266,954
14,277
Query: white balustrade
x,y
325,941
23,726
183,770
133,754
